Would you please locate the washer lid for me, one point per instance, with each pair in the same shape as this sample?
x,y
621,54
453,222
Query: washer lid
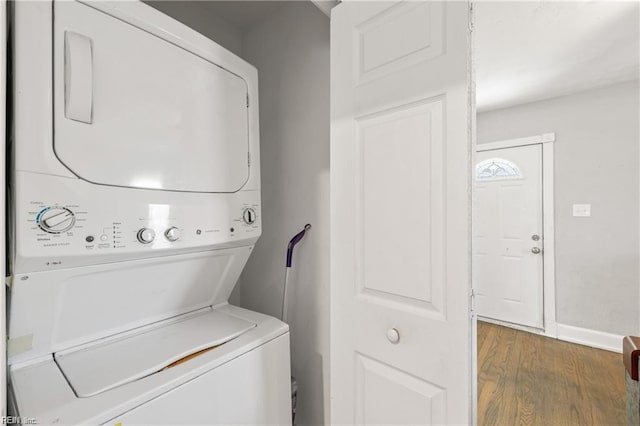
x,y
105,365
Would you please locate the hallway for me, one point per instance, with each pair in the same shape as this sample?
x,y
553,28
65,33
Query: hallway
x,y
527,379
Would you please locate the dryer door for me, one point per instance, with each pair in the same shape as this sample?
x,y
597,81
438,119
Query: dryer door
x,y
134,110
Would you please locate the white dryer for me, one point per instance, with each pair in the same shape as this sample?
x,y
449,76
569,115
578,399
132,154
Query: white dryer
x,y
136,204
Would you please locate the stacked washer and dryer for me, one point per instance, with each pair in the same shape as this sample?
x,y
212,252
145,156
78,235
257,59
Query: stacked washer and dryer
x,y
135,206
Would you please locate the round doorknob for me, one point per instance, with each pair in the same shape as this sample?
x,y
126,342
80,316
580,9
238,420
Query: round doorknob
x,y
393,335
535,250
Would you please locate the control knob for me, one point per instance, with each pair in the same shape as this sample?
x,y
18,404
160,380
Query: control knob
x,y
172,234
56,220
146,235
249,216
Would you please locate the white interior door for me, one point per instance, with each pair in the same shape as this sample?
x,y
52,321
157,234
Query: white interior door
x,y
507,236
400,209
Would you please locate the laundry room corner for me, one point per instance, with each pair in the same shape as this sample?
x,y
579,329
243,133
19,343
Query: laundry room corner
x,y
290,49
198,16
130,267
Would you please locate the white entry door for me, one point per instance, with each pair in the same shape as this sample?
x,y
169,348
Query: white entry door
x,y
507,236
400,209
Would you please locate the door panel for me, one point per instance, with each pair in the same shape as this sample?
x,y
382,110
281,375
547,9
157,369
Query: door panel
x,y
422,24
411,276
507,213
134,110
390,396
400,208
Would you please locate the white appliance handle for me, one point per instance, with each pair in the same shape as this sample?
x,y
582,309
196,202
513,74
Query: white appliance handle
x,y
78,77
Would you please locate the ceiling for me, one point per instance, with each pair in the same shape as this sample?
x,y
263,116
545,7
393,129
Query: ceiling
x,y
243,14
534,50
525,51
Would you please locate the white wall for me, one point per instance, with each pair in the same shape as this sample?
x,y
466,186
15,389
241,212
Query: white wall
x,y
291,51
198,16
596,161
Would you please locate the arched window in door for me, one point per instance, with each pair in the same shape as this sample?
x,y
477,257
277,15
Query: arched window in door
x,y
497,169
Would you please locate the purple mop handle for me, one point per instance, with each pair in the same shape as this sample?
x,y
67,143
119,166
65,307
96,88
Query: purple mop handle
x,y
292,243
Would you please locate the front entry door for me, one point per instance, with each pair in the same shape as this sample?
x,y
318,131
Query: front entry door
x,y
400,209
507,235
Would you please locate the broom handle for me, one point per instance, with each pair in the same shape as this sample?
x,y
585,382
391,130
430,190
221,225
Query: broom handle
x,y
292,243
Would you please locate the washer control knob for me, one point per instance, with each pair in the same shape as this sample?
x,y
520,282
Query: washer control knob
x,y
146,235
172,234
56,220
249,216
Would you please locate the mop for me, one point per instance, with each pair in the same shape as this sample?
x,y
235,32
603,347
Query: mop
x,y
292,243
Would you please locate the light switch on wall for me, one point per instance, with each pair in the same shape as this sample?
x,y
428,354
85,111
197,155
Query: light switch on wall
x,y
582,210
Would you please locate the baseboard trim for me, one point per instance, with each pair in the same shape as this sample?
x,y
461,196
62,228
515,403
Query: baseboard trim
x,y
549,330
585,336
512,325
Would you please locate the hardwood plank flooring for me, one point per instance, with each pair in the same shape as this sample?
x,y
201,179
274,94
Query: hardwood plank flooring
x,y
527,379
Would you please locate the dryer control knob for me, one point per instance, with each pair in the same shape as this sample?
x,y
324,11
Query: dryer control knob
x,y
56,220
249,216
172,234
146,235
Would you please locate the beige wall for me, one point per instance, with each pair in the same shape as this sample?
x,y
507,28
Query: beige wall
x,y
596,162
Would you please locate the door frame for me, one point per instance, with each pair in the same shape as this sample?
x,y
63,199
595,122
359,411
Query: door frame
x,y
546,140
4,81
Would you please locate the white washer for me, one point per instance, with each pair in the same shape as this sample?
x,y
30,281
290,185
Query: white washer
x,y
136,158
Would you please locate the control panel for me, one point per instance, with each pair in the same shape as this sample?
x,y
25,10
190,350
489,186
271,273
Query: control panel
x,y
54,231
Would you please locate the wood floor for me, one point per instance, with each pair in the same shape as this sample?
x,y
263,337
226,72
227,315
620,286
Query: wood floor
x,y
527,379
